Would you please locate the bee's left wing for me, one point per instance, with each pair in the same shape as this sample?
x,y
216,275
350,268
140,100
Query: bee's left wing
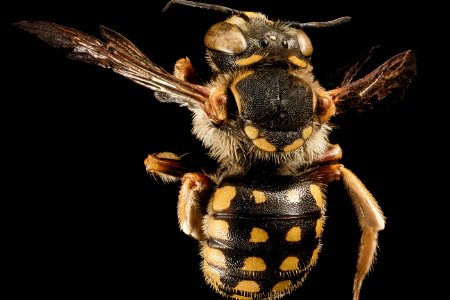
x,y
123,57
393,76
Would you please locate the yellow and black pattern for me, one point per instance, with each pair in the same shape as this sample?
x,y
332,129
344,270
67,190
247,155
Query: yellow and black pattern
x,y
263,238
269,110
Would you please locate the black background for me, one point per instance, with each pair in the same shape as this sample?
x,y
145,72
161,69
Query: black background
x,y
84,219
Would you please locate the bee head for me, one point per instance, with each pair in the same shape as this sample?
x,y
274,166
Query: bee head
x,y
248,39
264,68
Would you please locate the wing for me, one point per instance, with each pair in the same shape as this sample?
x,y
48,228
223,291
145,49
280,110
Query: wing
x,y
393,76
354,68
123,57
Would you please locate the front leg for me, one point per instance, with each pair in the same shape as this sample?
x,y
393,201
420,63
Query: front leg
x,y
184,70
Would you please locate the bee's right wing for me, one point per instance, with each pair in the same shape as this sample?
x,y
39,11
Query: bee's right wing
x,y
123,57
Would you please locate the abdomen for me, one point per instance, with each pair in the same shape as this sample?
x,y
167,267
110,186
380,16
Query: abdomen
x,y
263,237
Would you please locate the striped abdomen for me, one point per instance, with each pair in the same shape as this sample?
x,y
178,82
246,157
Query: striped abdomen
x,y
262,238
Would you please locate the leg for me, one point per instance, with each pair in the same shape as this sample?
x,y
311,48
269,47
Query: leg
x,y
216,106
370,216
184,70
333,154
325,107
371,220
166,165
171,167
195,190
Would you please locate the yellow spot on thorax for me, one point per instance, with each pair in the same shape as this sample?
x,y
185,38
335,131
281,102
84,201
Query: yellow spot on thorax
x,y
237,96
222,197
248,286
307,132
249,60
294,234
319,227
282,286
218,229
258,235
317,194
251,132
294,146
254,264
214,257
263,144
290,264
297,61
259,196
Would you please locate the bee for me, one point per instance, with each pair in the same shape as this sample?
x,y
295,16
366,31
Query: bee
x,y
258,210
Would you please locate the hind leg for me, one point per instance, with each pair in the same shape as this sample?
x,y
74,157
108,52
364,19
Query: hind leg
x,y
370,216
371,220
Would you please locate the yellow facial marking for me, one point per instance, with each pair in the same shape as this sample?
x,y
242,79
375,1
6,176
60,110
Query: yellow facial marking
x,y
294,146
214,257
290,263
248,286
236,95
307,132
317,194
294,234
249,60
263,144
259,196
218,229
251,132
239,297
314,257
254,264
293,196
281,286
297,61
319,227
258,235
223,197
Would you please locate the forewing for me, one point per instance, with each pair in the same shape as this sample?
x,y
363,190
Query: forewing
x,y
393,76
123,57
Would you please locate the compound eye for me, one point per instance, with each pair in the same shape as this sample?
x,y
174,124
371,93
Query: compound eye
x,y
225,37
264,43
304,42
